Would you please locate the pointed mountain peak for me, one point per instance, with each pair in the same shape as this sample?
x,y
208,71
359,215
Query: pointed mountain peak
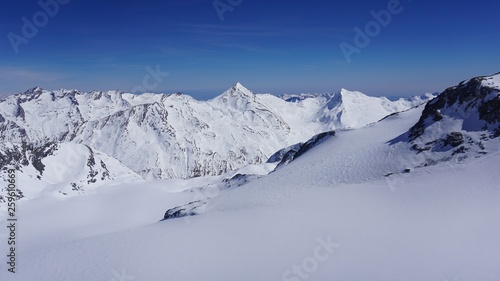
x,y
30,94
238,90
344,94
239,87
34,90
236,94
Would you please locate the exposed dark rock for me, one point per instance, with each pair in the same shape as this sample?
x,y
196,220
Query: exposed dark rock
x,y
75,187
460,150
30,94
190,209
289,154
39,153
18,194
469,96
284,153
463,119
105,173
490,110
238,180
91,164
453,139
12,157
20,112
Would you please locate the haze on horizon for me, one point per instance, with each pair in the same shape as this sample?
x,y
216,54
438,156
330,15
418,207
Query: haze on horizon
x,y
277,47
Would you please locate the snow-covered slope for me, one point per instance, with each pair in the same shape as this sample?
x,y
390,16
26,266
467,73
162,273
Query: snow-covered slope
x,y
348,209
163,136
61,169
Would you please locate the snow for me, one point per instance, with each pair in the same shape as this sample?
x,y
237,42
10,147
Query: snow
x,y
492,81
161,136
439,222
67,172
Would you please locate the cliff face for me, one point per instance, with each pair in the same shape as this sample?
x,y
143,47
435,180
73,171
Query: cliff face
x,y
462,118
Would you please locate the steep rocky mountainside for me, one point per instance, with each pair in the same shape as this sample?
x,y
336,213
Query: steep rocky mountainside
x,y
462,118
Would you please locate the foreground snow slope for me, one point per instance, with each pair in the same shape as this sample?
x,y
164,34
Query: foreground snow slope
x,y
435,223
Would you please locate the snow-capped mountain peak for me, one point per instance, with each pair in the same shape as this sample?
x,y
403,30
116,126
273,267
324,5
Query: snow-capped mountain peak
x,y
238,97
347,92
239,86
238,90
352,109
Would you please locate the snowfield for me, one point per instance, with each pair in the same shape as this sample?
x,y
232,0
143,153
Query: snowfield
x,y
359,206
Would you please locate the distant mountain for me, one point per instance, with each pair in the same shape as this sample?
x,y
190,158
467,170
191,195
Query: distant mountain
x,y
351,110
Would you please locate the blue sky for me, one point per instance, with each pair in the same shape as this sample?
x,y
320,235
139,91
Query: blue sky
x,y
268,46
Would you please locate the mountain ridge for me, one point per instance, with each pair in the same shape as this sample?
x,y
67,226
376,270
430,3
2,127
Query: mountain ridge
x,y
113,121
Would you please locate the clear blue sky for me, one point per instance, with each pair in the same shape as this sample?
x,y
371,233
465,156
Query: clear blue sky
x,y
268,46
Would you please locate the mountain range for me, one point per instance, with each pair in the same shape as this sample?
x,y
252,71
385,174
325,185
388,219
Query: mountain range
x,y
67,141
